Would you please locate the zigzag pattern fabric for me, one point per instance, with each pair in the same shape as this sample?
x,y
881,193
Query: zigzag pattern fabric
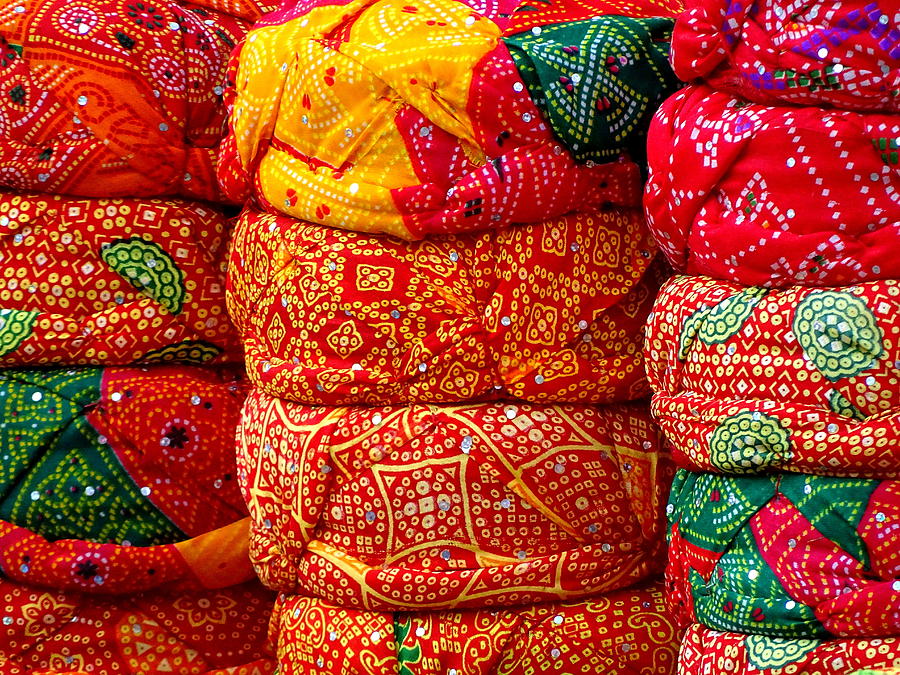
x,y
774,365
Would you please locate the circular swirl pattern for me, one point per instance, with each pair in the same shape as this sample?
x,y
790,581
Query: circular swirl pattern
x,y
749,441
765,652
838,333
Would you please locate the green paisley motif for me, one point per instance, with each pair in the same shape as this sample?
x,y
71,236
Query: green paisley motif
x,y
147,267
838,333
717,323
406,654
765,652
15,327
839,404
748,442
187,351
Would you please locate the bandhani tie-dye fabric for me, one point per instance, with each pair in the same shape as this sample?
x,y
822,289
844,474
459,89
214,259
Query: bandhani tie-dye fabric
x,y
843,53
216,559
144,456
598,81
112,282
214,632
711,652
413,119
447,507
111,99
774,195
623,633
550,312
788,556
251,10
751,380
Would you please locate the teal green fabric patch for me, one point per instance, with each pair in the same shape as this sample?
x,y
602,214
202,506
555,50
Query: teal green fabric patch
x,y
598,82
58,476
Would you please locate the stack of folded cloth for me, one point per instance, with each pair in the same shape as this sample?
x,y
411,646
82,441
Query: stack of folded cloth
x,y
775,366
122,527
440,287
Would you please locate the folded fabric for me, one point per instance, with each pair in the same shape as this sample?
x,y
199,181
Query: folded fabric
x,y
385,116
111,282
550,312
435,507
48,631
251,10
216,559
774,196
113,99
747,380
713,652
144,456
623,633
844,53
787,555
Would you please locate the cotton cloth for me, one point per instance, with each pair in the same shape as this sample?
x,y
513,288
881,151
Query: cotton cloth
x,y
446,507
549,312
787,556
113,99
625,632
112,282
115,455
774,195
750,380
444,117
843,53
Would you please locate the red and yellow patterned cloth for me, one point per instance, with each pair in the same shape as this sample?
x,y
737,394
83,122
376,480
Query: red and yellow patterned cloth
x,y
193,632
112,281
625,632
216,559
710,652
111,99
439,507
415,119
801,379
774,196
840,53
785,555
138,455
550,312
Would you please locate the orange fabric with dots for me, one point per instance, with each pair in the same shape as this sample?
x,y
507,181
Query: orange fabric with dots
x,y
548,312
625,632
201,631
111,99
437,507
112,282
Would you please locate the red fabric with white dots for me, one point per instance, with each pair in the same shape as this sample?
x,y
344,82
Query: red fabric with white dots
x,y
774,195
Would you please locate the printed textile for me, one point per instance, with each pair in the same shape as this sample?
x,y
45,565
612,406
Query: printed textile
x,y
113,99
215,559
750,380
624,632
712,652
144,456
550,312
214,632
788,556
423,119
112,282
843,53
774,195
447,507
